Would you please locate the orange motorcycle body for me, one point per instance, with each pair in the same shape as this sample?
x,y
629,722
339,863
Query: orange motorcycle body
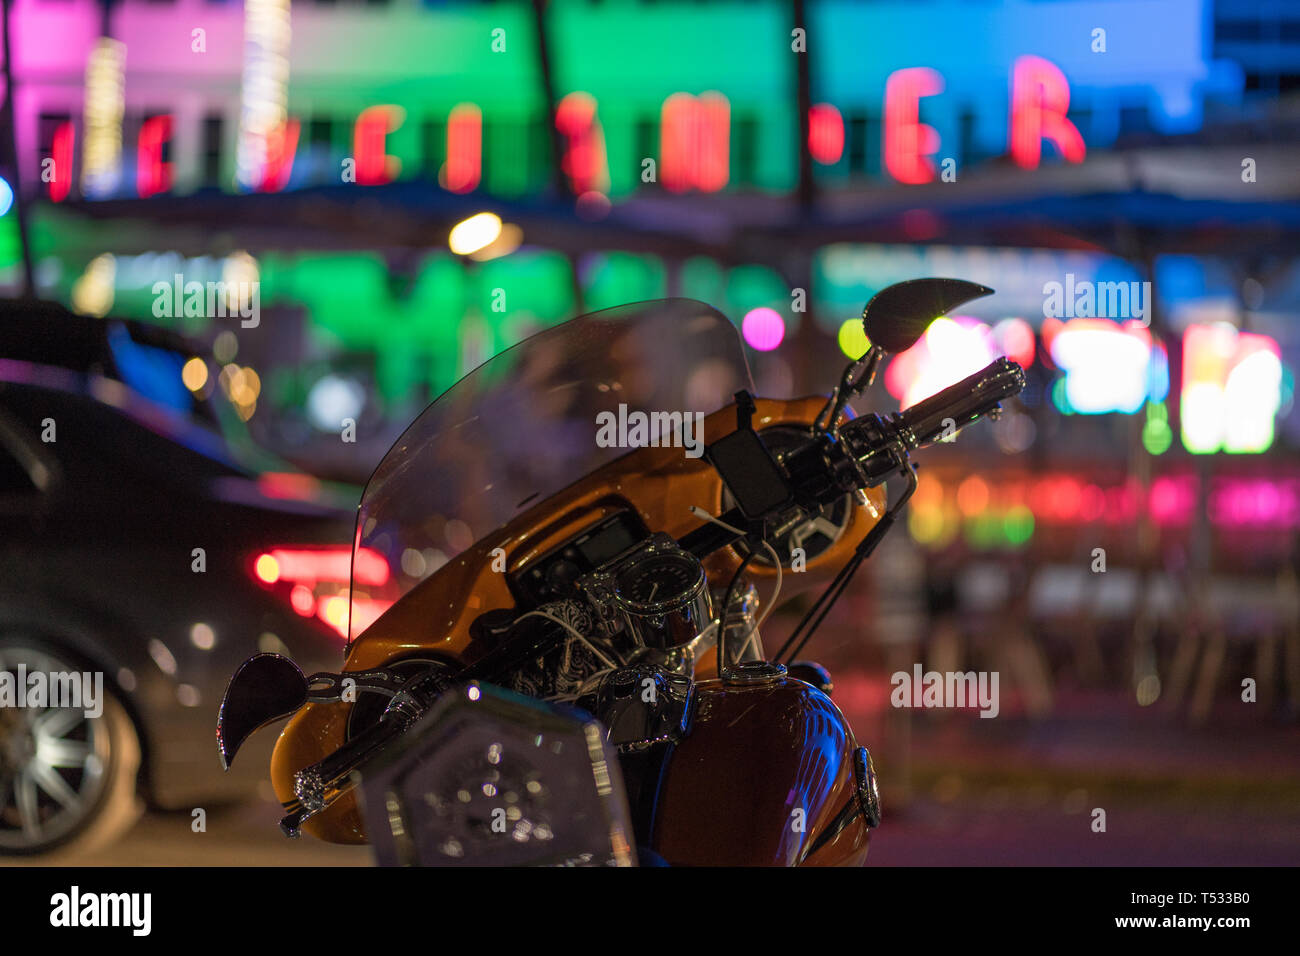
x,y
661,485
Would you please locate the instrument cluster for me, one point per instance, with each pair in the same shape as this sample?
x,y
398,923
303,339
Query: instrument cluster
x,y
658,592
554,576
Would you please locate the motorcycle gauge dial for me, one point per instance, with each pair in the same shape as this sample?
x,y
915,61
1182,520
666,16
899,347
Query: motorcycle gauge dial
x,y
659,581
664,597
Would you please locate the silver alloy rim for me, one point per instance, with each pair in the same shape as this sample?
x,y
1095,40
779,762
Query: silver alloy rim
x,y
52,761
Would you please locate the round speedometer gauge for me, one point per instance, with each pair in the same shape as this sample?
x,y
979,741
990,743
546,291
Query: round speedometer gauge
x,y
662,594
660,581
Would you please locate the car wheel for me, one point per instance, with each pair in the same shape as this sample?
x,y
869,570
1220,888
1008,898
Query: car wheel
x,y
67,781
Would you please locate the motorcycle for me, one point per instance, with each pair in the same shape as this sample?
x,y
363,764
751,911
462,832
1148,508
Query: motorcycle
x,y
560,574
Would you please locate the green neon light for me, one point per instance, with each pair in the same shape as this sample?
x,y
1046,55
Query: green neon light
x,y
1157,436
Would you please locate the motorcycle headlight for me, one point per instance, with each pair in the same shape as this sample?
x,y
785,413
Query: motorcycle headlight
x,y
490,777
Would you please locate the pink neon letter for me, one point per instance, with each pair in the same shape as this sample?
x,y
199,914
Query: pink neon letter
x,y
1040,97
908,141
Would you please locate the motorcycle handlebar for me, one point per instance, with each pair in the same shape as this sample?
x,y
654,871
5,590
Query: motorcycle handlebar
x,y
958,405
869,449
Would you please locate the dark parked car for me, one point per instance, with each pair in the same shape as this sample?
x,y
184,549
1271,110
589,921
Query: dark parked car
x,y
134,546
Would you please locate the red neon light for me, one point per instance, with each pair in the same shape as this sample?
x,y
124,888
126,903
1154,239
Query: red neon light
x,y
825,134
584,152
464,167
1040,98
1093,504
369,142
1262,502
281,145
152,175
1254,502
61,153
695,142
908,141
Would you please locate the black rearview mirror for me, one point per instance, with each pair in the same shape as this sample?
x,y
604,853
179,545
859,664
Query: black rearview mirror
x,y
266,687
898,315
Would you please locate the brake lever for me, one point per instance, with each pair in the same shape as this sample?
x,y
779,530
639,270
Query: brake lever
x,y
855,380
814,616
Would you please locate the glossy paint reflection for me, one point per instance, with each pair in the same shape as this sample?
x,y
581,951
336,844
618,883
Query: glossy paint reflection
x,y
762,774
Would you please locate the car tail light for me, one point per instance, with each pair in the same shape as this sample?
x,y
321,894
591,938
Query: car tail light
x,y
315,582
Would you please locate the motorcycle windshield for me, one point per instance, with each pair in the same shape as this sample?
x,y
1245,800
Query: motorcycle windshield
x,y
527,424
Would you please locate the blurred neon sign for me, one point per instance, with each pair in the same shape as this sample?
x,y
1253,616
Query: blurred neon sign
x,y
152,175
584,153
1108,367
281,146
1040,99
825,133
263,139
694,129
370,141
1008,511
61,155
464,166
695,136
105,101
1007,97
1232,389
950,349
908,141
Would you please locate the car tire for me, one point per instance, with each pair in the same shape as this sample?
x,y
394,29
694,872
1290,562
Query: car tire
x,y
97,760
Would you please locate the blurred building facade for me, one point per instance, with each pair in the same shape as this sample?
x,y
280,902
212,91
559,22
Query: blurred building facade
x,y
1141,152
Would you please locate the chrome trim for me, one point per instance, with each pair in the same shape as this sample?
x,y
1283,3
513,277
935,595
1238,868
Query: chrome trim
x,y
753,672
663,625
864,772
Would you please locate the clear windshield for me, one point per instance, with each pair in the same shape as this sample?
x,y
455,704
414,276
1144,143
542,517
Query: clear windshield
x,y
523,426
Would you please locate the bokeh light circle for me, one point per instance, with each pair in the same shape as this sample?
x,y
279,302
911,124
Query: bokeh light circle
x,y
763,328
852,339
